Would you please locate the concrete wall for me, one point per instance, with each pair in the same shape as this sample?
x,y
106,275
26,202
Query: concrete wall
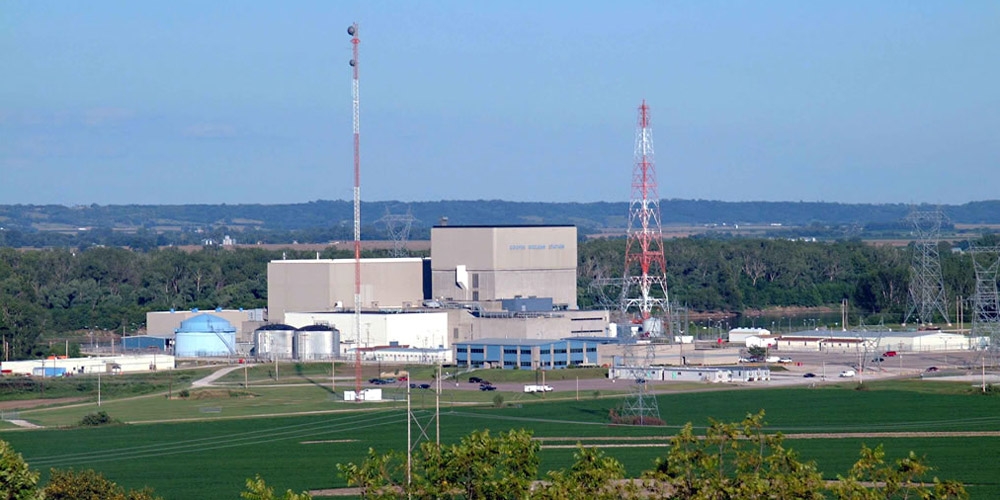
x,y
319,285
416,329
672,354
463,326
475,263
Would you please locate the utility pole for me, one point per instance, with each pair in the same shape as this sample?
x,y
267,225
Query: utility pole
x,y
437,406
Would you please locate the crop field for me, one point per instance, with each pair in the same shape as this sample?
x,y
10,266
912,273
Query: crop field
x,y
229,441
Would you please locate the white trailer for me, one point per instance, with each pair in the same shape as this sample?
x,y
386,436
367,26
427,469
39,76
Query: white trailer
x,y
537,388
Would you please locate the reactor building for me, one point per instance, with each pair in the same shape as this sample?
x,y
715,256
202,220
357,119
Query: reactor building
x,y
481,282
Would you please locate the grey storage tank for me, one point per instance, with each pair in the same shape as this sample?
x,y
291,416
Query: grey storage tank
x,y
274,341
315,342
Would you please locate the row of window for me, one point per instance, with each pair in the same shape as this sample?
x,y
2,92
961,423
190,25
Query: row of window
x,y
507,350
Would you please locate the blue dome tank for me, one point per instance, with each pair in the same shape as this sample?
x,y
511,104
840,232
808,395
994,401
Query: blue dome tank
x,y
205,335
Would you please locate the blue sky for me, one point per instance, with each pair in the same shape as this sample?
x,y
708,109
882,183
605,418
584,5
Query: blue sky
x,y
250,102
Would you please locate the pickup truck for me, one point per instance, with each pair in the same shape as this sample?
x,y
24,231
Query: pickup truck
x,y
537,388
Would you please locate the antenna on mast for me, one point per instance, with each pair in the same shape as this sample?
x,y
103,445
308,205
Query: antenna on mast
x,y
355,94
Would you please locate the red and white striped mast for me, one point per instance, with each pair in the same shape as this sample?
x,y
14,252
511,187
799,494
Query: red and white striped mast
x,y
645,264
355,94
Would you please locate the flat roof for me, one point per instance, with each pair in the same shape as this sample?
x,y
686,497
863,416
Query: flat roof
x,y
534,342
502,226
510,341
379,260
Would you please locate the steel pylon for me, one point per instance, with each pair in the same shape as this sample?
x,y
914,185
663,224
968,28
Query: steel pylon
x,y
926,298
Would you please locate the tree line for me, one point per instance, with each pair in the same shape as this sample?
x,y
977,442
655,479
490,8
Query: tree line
x,y
55,291
735,275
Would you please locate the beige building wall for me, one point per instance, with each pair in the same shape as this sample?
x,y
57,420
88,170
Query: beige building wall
x,y
328,284
463,326
672,355
473,263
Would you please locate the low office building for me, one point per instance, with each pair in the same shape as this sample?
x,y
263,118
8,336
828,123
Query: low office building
x,y
529,354
407,355
714,375
65,367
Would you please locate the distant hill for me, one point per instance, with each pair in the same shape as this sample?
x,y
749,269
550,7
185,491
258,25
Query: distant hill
x,y
320,221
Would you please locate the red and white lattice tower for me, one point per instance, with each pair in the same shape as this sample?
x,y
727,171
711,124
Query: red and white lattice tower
x,y
644,287
355,94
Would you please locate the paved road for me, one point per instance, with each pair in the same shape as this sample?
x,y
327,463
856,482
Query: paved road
x,y
207,381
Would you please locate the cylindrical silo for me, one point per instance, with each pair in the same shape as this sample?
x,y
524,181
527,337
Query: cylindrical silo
x,y
274,341
315,342
652,327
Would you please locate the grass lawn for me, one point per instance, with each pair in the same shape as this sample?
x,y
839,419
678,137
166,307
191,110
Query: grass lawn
x,y
216,455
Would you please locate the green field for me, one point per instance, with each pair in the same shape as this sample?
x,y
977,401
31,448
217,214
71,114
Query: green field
x,y
212,457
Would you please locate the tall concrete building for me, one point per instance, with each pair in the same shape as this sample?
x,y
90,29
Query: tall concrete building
x,y
324,285
486,264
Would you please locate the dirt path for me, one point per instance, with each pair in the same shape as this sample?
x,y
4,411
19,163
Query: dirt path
x,y
23,404
656,441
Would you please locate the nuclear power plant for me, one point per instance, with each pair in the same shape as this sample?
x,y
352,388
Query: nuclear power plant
x,y
481,282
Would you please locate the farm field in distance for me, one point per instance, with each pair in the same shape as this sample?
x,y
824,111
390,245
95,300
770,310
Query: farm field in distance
x,y
827,423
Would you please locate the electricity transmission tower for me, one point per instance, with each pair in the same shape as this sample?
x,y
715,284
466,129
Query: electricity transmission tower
x,y
397,227
926,285
644,282
986,320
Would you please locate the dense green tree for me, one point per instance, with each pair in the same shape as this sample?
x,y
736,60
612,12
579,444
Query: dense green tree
x,y
17,481
482,466
89,485
593,475
731,461
257,489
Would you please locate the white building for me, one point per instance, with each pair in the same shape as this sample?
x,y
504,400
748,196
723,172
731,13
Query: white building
x,y
424,330
80,366
740,335
408,355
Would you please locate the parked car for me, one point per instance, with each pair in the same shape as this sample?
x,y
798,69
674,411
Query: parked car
x,y
889,354
932,369
878,360
475,380
485,387
784,360
404,378
809,375
373,380
425,386
413,386
772,359
848,373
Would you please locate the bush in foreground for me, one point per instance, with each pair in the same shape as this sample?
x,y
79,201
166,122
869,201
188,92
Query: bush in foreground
x,y
732,461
